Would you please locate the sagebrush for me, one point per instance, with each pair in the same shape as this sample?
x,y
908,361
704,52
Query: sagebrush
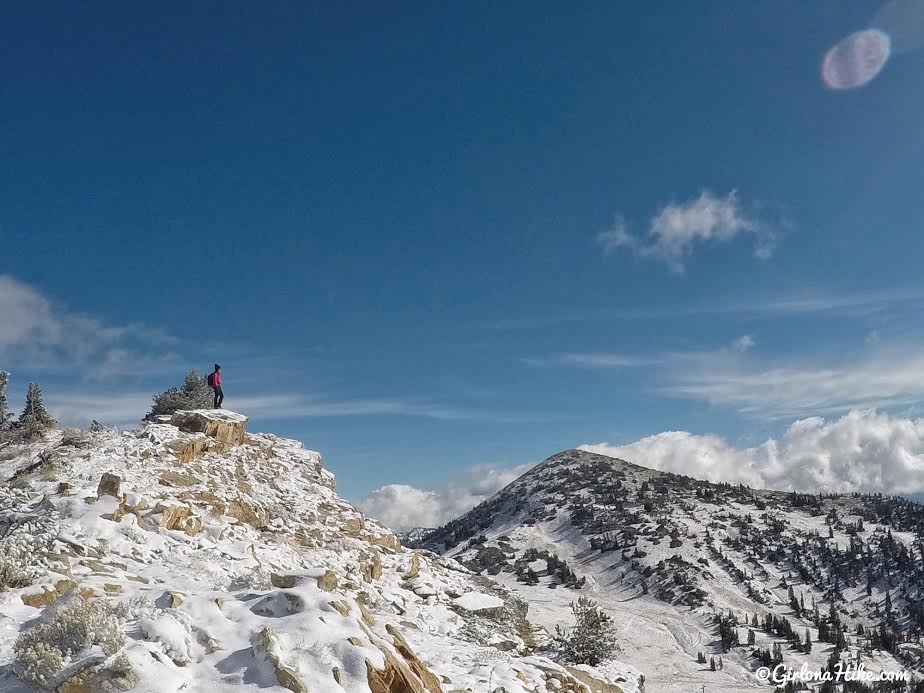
x,y
43,651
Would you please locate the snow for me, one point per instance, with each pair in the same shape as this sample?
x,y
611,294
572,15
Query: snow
x,y
658,638
476,601
225,601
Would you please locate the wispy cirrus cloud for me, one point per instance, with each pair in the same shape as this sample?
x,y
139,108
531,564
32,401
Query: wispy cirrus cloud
x,y
592,360
890,378
84,355
805,303
126,409
677,228
771,386
296,406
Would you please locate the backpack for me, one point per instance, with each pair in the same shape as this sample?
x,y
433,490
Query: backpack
x,y
211,380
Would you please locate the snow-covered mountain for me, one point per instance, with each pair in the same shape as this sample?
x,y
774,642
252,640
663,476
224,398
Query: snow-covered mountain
x,y
192,555
689,567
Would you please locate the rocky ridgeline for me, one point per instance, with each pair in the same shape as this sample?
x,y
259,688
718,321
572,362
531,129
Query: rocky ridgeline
x,y
192,555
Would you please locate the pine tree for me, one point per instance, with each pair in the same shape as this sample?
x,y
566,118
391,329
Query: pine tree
x,y
593,637
4,404
195,394
35,418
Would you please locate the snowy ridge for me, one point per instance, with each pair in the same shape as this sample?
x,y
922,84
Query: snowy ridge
x,y
665,555
227,562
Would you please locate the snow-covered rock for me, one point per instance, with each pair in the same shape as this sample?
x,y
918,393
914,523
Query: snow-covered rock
x,y
477,601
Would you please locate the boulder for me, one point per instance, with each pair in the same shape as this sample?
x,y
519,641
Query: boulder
x,y
427,677
328,581
373,569
177,516
414,569
248,513
265,646
93,677
109,485
47,595
220,424
188,449
286,582
397,677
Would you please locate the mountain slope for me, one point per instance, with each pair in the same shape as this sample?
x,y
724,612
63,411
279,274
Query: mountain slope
x,y
191,555
668,554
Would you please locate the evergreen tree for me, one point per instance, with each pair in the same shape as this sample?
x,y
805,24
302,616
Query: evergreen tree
x,y
593,637
4,404
35,418
195,394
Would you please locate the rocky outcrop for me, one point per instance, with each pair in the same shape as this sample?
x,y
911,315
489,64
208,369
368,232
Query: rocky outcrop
x,y
265,646
222,425
395,677
48,595
427,677
593,683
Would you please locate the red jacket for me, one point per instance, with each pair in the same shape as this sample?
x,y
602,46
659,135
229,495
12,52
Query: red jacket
x,y
215,379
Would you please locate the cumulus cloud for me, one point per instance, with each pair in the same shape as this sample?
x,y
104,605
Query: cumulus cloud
x,y
677,228
863,450
403,507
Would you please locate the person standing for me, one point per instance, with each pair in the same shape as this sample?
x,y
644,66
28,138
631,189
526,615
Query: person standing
x,y
215,383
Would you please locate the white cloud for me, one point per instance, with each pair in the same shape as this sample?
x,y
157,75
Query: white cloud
x,y
677,228
863,450
744,343
36,333
616,237
124,410
593,360
403,507
870,302
297,406
891,378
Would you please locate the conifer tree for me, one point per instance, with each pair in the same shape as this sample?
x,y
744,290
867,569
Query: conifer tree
x,y
593,637
35,417
4,403
195,394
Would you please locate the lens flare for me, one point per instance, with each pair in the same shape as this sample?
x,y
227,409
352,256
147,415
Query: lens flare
x,y
856,60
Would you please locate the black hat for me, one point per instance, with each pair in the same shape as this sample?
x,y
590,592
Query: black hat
x,y
217,367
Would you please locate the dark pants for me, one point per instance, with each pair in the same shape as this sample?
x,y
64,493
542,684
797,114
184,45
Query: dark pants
x,y
219,396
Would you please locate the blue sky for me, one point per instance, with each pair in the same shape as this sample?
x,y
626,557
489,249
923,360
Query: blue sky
x,y
422,237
